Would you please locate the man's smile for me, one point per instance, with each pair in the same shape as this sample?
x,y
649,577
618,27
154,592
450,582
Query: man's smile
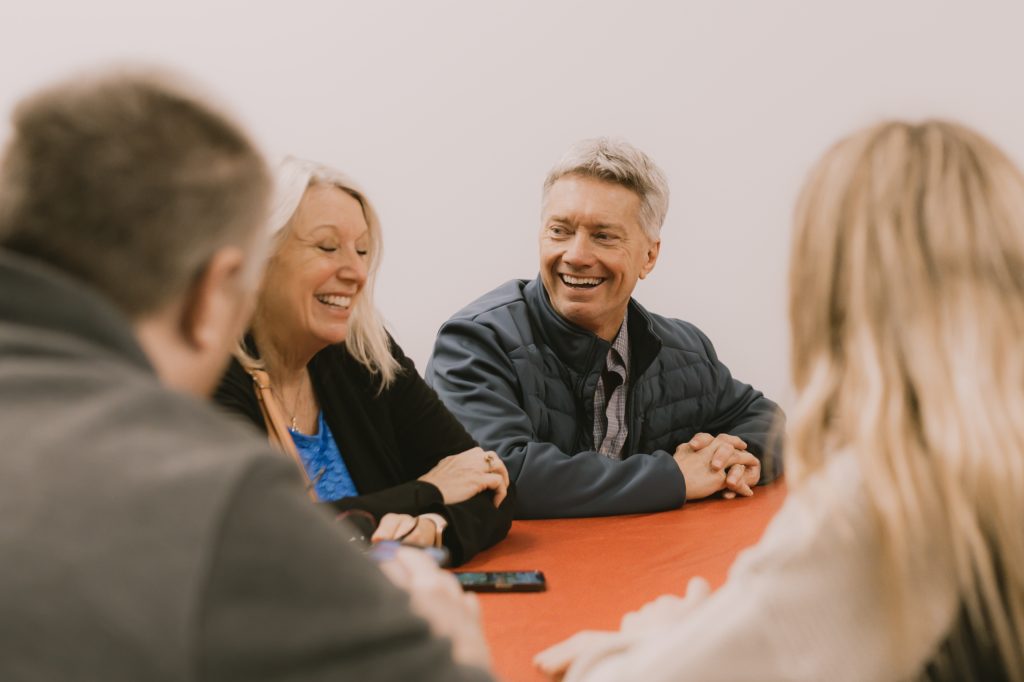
x,y
580,282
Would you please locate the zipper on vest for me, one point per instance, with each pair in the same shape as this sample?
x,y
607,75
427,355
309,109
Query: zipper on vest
x,y
585,435
634,428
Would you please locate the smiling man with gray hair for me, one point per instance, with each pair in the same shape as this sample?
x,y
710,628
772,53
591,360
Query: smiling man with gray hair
x,y
596,405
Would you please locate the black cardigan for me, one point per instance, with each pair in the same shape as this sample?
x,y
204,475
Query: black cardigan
x,y
388,440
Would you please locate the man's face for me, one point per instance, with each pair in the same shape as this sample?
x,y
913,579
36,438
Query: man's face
x,y
593,251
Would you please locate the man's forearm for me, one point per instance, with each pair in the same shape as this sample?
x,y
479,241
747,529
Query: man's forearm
x,y
552,484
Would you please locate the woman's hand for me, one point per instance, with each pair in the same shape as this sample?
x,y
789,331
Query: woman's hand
x,y
460,477
411,530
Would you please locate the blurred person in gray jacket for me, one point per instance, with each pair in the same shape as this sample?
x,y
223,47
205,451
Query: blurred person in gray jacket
x,y
596,405
146,536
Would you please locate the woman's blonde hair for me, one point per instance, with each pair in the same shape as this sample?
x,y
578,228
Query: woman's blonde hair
x,y
907,316
367,341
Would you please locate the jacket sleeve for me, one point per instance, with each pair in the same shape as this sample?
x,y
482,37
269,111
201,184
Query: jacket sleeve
x,y
286,598
743,411
412,497
427,432
475,378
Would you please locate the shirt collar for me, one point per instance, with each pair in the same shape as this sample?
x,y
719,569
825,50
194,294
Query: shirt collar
x,y
620,345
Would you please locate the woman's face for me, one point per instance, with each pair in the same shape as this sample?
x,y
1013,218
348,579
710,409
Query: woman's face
x,y
316,275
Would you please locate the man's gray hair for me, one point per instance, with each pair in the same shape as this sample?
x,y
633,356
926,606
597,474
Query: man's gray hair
x,y
617,161
130,183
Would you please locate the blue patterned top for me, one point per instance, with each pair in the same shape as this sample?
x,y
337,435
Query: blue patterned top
x,y
323,462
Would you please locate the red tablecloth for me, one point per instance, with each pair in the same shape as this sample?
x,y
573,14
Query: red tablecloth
x,y
598,569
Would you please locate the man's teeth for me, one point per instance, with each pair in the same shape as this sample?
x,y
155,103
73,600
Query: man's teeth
x,y
581,281
337,301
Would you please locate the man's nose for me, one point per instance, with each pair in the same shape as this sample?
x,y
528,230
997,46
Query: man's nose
x,y
578,251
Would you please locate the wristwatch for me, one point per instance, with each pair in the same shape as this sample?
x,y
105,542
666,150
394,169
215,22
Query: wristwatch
x,y
440,523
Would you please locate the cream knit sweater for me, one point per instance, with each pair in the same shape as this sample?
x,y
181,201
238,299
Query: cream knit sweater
x,y
803,604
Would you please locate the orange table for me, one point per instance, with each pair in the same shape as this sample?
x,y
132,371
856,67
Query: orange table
x,y
598,569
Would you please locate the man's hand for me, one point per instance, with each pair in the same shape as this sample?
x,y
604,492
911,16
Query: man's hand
x,y
741,479
438,598
710,463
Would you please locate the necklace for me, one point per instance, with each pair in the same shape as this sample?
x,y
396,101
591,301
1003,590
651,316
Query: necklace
x,y
292,414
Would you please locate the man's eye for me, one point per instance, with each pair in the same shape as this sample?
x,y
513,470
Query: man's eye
x,y
557,231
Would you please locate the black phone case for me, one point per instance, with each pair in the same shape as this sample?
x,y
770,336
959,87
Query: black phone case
x,y
505,582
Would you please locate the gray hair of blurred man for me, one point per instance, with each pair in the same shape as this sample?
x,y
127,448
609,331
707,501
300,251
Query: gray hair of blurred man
x,y
130,182
619,162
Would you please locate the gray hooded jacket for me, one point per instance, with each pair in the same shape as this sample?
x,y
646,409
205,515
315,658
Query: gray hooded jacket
x,y
148,537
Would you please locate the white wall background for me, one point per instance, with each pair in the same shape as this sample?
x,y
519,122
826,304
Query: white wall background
x,y
450,113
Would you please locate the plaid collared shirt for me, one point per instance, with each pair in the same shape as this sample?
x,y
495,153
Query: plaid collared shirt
x,y
610,428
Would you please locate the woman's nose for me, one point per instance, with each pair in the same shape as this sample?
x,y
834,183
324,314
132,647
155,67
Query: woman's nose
x,y
353,268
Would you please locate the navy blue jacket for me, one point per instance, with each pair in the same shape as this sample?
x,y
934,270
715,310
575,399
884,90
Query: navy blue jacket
x,y
521,378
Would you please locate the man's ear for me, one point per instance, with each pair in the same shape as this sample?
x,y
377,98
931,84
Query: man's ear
x,y
652,258
211,307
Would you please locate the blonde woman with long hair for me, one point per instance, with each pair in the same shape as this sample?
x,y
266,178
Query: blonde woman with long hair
x,y
899,553
320,375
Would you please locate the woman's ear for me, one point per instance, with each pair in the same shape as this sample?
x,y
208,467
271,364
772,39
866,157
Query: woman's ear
x,y
219,303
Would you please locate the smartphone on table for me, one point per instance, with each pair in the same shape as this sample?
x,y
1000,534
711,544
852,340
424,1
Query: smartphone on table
x,y
502,581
